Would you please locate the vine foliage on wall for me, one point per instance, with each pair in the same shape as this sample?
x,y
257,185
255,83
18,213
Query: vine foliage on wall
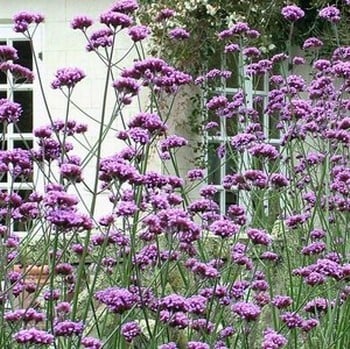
x,y
203,19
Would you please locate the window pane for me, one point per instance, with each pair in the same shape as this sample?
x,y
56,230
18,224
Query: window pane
x,y
217,196
24,54
3,94
258,105
25,98
231,198
3,173
23,144
3,78
214,59
258,82
214,164
19,225
212,117
232,65
232,126
274,208
231,162
274,132
274,165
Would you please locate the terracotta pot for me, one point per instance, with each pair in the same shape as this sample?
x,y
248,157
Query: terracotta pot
x,y
38,275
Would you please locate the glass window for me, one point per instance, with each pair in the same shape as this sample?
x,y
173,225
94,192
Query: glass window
x,y
19,135
256,95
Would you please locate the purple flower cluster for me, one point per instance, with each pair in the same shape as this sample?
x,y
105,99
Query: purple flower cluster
x,y
125,6
68,328
9,111
33,336
7,53
100,38
117,300
281,301
22,20
91,343
179,34
139,32
223,228
312,43
20,74
25,315
130,330
273,340
204,270
67,77
81,22
259,237
115,19
127,87
155,71
330,14
240,28
61,211
292,13
247,311
165,14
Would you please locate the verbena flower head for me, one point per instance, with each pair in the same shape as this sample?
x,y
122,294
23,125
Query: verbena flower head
x,y
292,13
67,77
195,174
33,336
130,330
68,328
231,48
179,34
291,319
273,340
91,343
20,74
311,43
22,20
281,301
100,38
197,345
26,315
125,6
7,53
10,111
117,300
139,32
164,14
81,22
115,19
224,228
126,86
247,311
330,14
259,236
238,29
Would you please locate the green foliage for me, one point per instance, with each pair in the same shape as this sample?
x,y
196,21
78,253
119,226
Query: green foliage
x,y
205,18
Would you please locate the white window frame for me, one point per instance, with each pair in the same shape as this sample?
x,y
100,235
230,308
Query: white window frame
x,y
8,35
246,83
